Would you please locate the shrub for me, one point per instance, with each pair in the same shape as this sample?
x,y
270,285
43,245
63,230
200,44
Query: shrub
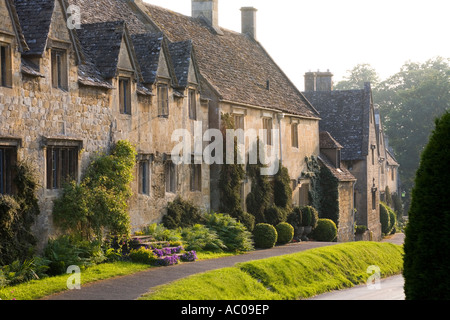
x,y
282,190
23,271
160,233
326,230
285,233
384,218
360,229
17,215
167,260
189,256
265,235
65,251
392,221
100,201
233,233
142,255
182,214
200,238
427,240
310,216
275,215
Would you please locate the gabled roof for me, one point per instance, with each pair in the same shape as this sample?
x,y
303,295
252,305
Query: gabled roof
x,y
102,42
234,65
148,47
182,55
345,115
341,174
327,141
35,18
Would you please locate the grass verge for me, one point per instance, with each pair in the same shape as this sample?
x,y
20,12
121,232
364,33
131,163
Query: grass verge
x,y
37,289
289,277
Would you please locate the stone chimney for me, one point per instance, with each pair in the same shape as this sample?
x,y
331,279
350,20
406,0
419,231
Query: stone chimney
x,y
249,21
318,81
207,9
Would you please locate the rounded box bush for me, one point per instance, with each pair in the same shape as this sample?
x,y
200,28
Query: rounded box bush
x,y
285,233
265,236
326,230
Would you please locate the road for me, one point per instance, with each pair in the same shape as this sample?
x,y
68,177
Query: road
x,y
390,288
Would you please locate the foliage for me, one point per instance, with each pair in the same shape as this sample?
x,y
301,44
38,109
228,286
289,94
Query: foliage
x,y
326,230
265,235
310,216
409,102
160,233
142,255
17,215
233,233
427,238
285,233
200,238
360,229
100,201
23,271
288,277
275,215
387,218
182,214
295,219
329,190
356,78
313,173
231,176
189,256
65,251
282,190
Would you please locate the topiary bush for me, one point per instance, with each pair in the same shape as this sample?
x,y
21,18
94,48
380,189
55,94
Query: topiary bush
x,y
295,219
265,236
385,218
285,233
310,216
275,215
427,240
182,214
325,230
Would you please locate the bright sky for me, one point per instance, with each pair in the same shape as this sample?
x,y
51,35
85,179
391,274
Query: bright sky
x,y
308,35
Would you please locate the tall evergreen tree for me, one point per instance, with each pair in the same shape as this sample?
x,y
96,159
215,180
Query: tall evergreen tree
x,y
427,242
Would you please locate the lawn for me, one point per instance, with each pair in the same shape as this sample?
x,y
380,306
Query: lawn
x,y
289,277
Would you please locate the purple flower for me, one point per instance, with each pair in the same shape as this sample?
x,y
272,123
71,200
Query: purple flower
x,y
189,256
167,260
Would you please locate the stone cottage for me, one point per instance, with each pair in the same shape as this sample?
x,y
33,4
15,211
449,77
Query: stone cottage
x,y
70,93
349,116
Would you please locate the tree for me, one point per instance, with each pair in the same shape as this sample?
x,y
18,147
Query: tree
x,y
409,102
426,266
356,78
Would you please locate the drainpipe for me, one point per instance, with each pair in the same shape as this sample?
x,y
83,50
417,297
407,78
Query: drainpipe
x,y
280,116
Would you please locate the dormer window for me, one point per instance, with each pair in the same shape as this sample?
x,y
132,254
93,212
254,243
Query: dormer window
x,y
163,100
5,65
192,104
125,95
59,69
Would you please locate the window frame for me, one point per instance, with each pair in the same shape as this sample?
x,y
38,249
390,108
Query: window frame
x,y
5,65
196,177
294,135
192,102
8,160
59,69
61,165
163,99
144,179
268,127
124,95
170,177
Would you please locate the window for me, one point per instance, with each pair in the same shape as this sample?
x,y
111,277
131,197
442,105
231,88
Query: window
x,y
267,126
239,122
374,200
5,66
163,100
7,161
192,104
59,69
196,177
294,135
62,166
125,95
170,176
393,174
373,147
144,177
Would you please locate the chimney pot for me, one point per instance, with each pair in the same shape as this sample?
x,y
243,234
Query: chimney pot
x,y
248,15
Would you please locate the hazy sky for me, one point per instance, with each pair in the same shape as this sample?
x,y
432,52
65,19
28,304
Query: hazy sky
x,y
307,35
